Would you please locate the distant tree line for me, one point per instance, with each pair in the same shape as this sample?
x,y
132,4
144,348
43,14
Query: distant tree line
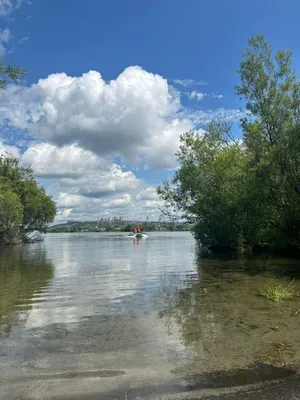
x,y
93,226
246,192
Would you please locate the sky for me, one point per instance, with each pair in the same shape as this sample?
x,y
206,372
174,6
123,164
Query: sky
x,y
112,85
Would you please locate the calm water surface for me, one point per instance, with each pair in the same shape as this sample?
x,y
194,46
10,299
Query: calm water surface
x,y
104,316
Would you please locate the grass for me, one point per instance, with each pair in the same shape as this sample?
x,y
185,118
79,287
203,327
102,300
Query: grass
x,y
274,291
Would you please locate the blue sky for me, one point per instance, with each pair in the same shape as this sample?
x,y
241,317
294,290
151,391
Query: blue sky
x,y
116,142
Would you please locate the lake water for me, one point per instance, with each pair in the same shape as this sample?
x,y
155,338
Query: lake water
x,y
104,316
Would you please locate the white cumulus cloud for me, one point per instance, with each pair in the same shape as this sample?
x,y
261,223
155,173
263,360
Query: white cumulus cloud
x,y
86,185
162,153
149,193
9,150
118,202
137,116
49,161
66,212
79,171
153,204
127,116
120,116
80,207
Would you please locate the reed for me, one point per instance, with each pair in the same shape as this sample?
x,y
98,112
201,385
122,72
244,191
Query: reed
x,y
275,291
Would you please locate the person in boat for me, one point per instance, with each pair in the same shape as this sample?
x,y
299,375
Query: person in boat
x,y
134,229
138,229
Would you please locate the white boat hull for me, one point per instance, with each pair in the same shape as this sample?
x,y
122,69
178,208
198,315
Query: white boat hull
x,y
137,235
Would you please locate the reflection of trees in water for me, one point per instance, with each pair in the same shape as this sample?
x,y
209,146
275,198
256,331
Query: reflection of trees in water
x,y
264,263
188,309
24,273
223,321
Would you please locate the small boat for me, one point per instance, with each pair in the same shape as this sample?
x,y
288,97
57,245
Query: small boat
x,y
138,235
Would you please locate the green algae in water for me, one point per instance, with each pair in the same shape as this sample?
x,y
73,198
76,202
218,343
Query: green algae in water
x,y
276,292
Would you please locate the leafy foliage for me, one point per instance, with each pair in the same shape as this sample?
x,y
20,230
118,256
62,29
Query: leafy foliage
x,y
11,214
25,207
10,73
246,192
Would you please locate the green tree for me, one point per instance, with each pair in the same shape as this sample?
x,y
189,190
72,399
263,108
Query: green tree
x,y
11,215
38,209
10,73
212,189
270,88
245,193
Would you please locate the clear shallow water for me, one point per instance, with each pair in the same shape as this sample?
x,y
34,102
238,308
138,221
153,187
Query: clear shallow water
x,y
106,316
